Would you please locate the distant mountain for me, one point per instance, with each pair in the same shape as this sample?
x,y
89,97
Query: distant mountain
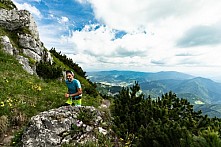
x,y
131,76
212,110
203,93
197,90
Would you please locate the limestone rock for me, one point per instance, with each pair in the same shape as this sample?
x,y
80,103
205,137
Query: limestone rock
x,y
27,41
16,19
32,54
25,64
63,125
7,46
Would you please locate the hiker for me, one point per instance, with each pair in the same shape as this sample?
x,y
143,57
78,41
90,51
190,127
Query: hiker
x,y
74,93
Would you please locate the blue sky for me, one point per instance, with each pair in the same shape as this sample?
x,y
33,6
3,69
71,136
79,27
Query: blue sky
x,y
153,35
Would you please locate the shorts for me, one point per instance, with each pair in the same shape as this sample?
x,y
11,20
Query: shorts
x,y
73,102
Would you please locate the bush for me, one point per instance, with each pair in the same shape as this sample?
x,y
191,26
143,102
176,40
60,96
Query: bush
x,y
91,91
46,70
167,121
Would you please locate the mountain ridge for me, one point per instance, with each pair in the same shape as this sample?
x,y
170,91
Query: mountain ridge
x,y
156,84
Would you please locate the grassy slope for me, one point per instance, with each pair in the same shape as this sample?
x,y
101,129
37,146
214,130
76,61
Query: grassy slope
x,y
25,93
29,94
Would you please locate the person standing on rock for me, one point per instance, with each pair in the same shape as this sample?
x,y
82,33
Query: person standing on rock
x,y
74,93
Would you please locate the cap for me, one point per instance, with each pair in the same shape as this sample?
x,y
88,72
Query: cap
x,y
69,71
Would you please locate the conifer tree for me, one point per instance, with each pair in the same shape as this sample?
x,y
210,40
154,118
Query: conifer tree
x,y
167,121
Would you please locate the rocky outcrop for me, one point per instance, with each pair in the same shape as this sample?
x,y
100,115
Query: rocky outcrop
x,y
65,125
14,19
23,26
25,64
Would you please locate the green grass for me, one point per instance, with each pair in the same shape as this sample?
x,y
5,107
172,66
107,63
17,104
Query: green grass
x,y
25,93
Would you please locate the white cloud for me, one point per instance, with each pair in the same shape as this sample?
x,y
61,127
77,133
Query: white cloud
x,y
165,22
63,20
101,41
154,29
32,9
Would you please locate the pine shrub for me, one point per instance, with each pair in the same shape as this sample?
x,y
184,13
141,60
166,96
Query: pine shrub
x,y
167,121
46,70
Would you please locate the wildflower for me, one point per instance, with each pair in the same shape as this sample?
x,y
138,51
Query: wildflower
x,y
121,139
79,123
127,143
10,104
6,80
2,104
10,100
38,88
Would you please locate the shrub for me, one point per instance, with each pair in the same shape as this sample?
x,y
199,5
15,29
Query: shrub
x,y
46,70
91,91
167,121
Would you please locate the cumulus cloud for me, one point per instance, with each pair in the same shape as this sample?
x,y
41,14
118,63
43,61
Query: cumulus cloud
x,y
102,41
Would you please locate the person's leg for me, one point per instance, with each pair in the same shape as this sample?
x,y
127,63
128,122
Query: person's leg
x,y
69,101
77,103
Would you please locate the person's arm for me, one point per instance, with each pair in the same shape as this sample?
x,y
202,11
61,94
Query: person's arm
x,y
79,92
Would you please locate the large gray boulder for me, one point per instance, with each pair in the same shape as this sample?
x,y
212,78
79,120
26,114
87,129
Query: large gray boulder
x,y
65,125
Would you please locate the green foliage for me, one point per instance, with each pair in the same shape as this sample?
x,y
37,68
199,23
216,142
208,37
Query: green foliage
x,y
167,121
47,70
91,91
16,140
7,4
86,116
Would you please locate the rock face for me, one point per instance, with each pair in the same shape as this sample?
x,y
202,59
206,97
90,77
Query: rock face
x,y
65,125
24,28
14,19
